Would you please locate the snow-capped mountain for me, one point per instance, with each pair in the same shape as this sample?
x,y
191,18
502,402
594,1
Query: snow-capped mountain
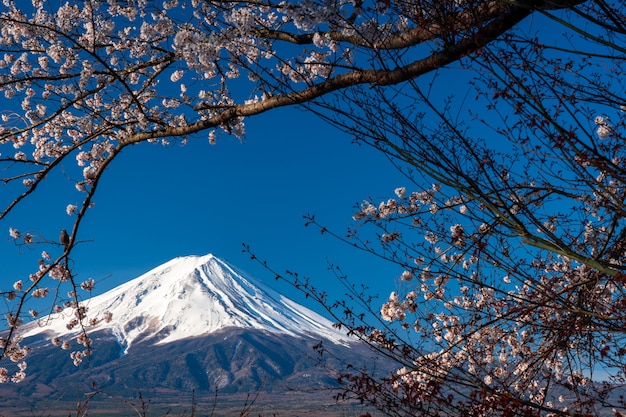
x,y
193,324
190,297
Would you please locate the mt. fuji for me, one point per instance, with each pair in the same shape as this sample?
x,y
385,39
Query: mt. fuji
x,y
189,297
193,324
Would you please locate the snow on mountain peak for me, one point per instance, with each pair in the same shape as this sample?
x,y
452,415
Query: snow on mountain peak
x,y
194,296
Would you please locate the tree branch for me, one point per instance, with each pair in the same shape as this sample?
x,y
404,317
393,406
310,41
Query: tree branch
x,y
373,77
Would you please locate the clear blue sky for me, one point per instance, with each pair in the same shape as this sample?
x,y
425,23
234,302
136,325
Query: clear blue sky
x,y
156,203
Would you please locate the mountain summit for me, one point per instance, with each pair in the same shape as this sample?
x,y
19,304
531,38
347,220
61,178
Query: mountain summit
x,y
189,297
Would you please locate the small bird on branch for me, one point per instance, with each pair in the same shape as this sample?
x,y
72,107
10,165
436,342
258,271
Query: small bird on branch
x,y
64,238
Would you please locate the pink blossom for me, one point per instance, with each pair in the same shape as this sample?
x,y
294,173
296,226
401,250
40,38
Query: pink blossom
x,y
406,276
107,316
176,76
88,285
18,377
40,292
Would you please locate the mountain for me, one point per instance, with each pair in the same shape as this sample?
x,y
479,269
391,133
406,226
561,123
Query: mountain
x,y
189,297
193,324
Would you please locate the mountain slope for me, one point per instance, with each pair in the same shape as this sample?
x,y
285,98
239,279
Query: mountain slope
x,y
231,360
189,297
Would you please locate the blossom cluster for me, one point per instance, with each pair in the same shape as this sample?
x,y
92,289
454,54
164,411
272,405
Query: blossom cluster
x,y
80,323
516,324
16,354
604,127
415,202
73,311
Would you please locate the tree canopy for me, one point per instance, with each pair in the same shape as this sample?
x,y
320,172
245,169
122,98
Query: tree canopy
x,y
510,230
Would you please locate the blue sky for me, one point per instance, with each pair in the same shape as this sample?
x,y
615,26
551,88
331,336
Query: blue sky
x,y
156,203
